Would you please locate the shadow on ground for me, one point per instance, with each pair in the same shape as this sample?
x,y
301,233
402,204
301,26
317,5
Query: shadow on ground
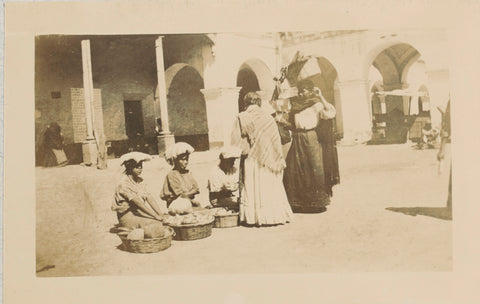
x,y
443,213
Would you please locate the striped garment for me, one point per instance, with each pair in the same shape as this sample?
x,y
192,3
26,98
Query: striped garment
x,y
256,133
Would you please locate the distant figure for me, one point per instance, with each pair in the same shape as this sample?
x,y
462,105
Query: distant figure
x,y
223,183
263,200
51,152
429,137
445,135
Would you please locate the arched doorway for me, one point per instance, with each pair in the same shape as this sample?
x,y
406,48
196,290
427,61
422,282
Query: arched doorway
x,y
420,113
253,76
395,93
187,113
324,76
247,80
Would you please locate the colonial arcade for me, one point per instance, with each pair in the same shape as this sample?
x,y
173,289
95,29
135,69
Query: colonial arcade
x,y
147,91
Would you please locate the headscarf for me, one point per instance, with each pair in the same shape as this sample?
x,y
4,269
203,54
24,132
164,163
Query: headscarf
x,y
230,152
176,150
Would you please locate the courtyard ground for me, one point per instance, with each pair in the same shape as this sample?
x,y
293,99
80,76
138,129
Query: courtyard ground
x,y
388,214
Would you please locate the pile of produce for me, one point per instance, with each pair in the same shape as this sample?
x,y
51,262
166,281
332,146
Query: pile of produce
x,y
195,218
222,212
151,231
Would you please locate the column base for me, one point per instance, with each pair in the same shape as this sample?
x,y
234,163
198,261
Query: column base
x,y
164,142
89,152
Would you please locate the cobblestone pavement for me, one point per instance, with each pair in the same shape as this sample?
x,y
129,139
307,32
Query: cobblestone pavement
x,y
386,215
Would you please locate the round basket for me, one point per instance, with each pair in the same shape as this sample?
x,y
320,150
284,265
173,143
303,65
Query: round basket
x,y
148,245
193,231
226,221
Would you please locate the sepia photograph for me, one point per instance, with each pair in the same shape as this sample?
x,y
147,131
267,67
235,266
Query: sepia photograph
x,y
227,151
319,151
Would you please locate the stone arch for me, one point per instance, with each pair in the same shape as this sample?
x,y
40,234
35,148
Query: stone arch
x,y
376,50
407,67
262,72
393,60
254,75
187,113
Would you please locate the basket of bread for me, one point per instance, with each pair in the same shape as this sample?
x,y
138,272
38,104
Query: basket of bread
x,y
192,226
224,218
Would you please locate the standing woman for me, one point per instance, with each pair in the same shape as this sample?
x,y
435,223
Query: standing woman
x,y
263,200
308,182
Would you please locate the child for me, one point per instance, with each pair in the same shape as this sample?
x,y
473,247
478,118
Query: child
x,y
223,183
180,188
131,196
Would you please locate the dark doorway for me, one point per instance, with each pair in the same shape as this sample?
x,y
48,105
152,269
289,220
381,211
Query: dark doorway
x,y
134,124
187,110
247,80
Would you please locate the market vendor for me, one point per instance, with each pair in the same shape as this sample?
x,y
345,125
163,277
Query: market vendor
x,y
180,187
223,182
134,205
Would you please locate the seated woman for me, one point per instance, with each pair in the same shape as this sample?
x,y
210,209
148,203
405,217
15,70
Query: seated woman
x,y
223,182
51,152
180,188
135,207
429,136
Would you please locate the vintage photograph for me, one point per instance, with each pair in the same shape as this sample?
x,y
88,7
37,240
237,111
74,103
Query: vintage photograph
x,y
243,153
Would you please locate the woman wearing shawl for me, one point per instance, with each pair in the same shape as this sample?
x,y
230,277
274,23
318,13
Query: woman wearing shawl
x,y
312,167
263,200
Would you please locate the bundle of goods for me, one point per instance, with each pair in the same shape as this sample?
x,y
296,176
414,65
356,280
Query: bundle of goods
x,y
224,218
192,226
151,238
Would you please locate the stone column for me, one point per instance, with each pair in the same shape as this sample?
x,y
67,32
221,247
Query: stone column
x,y
89,147
439,91
222,107
165,139
356,112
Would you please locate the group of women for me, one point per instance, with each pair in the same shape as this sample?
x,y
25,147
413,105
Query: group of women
x,y
267,188
273,187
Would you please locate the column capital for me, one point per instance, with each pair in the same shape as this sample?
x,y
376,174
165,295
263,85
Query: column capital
x,y
214,93
159,41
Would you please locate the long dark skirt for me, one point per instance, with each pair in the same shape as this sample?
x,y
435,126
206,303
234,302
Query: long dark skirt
x,y
304,177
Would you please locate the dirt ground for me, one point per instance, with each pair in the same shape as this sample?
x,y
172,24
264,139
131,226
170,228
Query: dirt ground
x,y
386,215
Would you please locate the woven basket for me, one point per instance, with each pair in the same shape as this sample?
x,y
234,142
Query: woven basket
x,y
148,245
226,221
193,231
